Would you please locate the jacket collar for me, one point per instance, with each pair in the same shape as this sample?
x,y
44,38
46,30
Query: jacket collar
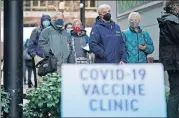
x,y
132,29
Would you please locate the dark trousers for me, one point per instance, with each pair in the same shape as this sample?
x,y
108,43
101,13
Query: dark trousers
x,y
29,71
173,100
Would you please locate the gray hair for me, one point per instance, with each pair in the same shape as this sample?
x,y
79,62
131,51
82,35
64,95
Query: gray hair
x,y
75,21
103,6
134,14
59,13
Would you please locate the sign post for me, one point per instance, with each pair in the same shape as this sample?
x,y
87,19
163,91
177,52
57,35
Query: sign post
x,y
0,61
113,91
13,56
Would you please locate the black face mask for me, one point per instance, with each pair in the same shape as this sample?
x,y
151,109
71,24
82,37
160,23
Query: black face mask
x,y
107,17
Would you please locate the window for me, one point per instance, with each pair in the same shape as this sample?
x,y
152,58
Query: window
x,y
35,3
52,5
92,3
27,5
43,3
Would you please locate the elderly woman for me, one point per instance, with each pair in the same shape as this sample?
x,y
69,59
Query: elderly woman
x,y
138,42
78,42
169,52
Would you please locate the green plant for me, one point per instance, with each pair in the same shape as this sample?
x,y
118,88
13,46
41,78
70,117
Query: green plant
x,y
5,101
44,101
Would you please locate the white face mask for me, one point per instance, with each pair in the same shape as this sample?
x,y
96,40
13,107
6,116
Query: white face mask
x,y
69,30
134,24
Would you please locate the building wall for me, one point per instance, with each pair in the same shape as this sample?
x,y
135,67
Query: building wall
x,y
71,9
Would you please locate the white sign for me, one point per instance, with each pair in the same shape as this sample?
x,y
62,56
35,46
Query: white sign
x,y
135,90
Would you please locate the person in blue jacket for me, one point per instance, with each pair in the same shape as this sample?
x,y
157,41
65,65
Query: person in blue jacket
x,y
106,39
33,48
138,42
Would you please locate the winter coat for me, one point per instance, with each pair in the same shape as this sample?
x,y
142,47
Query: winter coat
x,y
169,41
33,48
79,55
106,42
133,40
55,40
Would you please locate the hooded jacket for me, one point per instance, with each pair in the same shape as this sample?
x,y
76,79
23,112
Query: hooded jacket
x,y
106,42
33,48
169,41
133,40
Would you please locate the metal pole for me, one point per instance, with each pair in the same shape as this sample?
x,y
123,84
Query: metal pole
x,y
82,12
0,61
13,52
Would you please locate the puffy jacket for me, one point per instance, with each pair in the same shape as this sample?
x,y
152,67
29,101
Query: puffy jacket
x,y
169,41
106,42
133,40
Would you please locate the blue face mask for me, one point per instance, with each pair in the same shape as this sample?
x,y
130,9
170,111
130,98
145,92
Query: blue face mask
x,y
46,23
59,23
69,30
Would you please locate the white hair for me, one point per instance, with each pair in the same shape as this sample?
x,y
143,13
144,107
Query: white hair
x,y
134,14
103,6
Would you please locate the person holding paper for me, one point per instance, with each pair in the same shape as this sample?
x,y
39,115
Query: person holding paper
x,y
78,43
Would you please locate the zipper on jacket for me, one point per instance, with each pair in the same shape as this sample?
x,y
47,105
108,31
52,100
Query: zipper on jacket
x,y
138,46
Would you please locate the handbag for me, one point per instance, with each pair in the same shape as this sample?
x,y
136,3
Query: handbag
x,y
47,65
149,59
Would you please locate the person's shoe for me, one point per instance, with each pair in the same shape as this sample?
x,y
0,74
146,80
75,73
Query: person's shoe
x,y
30,85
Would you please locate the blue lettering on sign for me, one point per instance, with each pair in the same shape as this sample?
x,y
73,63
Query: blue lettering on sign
x,y
114,89
141,90
82,73
92,105
95,74
113,105
94,89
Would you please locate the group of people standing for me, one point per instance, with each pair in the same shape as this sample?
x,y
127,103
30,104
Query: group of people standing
x,y
65,41
109,44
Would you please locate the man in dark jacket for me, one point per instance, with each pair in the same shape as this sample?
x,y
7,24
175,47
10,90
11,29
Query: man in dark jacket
x,y
169,52
56,39
106,39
